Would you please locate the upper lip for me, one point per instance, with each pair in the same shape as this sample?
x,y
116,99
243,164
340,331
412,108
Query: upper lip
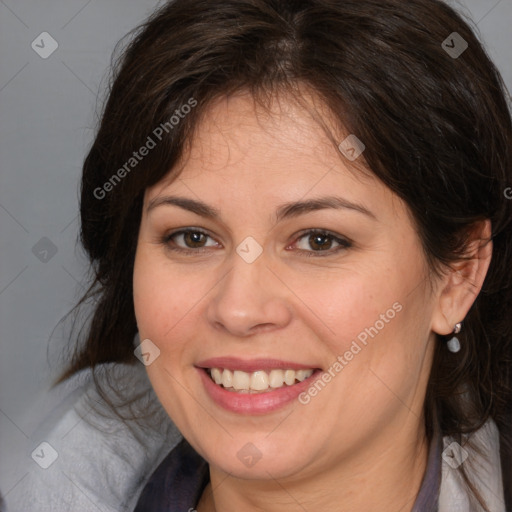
x,y
252,365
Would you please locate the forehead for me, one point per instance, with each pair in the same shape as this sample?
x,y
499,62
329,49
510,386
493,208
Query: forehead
x,y
240,141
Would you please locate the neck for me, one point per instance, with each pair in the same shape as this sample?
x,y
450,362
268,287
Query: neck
x,y
386,479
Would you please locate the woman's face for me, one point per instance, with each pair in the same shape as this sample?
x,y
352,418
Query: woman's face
x,y
251,291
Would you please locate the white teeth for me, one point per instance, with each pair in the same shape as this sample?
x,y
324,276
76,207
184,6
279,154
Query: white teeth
x,y
301,375
227,378
257,381
289,377
241,380
276,378
217,375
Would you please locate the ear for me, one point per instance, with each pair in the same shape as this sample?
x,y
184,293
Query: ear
x,y
463,280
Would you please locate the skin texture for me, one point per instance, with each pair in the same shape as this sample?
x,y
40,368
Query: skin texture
x,y
365,429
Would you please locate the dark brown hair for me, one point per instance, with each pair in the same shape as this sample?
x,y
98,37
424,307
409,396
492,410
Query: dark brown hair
x,y
436,127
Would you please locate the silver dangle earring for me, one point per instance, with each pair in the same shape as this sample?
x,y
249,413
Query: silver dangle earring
x,y
453,344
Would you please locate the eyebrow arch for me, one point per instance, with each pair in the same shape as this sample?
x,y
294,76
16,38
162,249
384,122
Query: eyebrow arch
x,y
294,209
284,211
197,207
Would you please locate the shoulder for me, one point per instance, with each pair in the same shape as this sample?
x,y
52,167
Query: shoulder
x,y
481,459
84,456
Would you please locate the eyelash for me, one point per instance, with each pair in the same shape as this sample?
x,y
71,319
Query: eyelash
x,y
343,243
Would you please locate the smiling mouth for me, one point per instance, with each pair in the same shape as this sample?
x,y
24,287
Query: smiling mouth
x,y
259,381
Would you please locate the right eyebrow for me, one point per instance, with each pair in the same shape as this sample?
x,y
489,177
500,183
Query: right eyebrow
x,y
197,207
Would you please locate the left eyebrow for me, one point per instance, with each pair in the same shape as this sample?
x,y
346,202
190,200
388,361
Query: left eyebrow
x,y
294,209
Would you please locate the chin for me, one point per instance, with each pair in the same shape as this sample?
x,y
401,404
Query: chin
x,y
261,459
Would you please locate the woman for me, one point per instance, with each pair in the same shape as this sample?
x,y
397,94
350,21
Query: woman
x,y
298,210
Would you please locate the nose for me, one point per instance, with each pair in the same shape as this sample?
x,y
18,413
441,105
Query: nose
x,y
249,299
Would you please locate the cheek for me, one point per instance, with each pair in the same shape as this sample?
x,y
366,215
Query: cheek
x,y
383,348
170,304
162,296
165,302
352,305
370,319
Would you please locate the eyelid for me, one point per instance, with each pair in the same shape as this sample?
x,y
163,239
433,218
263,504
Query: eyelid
x,y
181,231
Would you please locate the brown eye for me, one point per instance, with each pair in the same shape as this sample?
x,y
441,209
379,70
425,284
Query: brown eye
x,y
313,242
194,239
319,241
186,240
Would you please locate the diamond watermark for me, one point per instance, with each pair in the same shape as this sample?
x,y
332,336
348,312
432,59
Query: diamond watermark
x,y
44,45
249,250
44,250
44,455
249,455
454,455
147,352
454,45
352,147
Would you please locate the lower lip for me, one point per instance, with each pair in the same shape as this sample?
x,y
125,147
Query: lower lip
x,y
256,403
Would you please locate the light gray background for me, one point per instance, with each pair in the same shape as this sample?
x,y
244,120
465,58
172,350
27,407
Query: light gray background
x,y
48,112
